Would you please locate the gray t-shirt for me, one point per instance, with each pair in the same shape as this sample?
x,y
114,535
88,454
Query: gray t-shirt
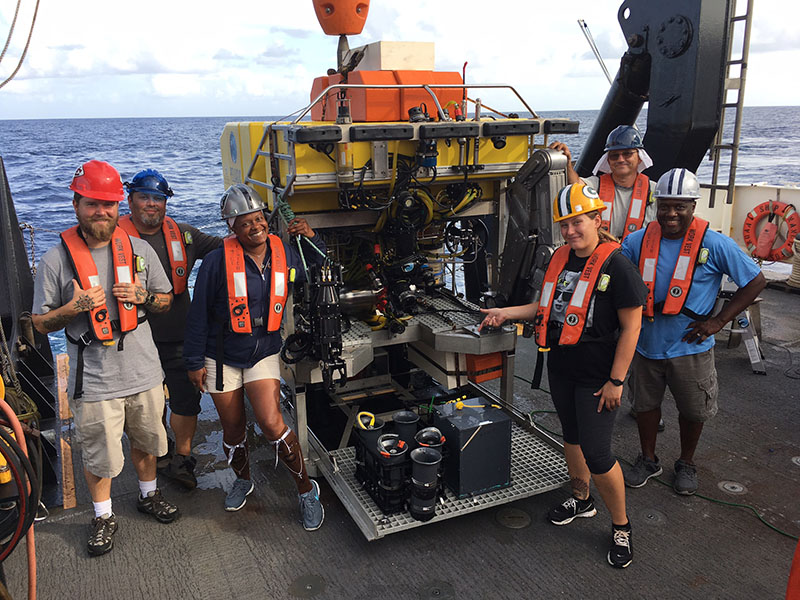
x,y
622,203
107,373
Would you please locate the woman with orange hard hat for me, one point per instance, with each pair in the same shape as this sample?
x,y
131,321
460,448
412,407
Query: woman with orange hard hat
x,y
588,320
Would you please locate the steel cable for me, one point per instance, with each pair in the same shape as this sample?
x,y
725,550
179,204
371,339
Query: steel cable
x,y
11,30
24,50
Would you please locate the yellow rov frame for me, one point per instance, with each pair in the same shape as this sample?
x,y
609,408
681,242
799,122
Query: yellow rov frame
x,y
311,166
270,155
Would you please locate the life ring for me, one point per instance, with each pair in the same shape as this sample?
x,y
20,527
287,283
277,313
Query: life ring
x,y
770,209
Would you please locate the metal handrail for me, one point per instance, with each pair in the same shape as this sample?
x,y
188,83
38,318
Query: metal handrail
x,y
425,86
360,86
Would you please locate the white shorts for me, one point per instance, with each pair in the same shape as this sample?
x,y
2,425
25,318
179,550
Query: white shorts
x,y
233,378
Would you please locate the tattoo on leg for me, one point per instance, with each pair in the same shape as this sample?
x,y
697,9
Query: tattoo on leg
x,y
580,488
84,303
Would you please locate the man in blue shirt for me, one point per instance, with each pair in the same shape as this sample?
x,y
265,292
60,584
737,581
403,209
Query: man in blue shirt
x,y
682,262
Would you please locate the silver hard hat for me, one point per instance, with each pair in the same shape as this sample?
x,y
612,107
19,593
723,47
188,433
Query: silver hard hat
x,y
240,199
678,183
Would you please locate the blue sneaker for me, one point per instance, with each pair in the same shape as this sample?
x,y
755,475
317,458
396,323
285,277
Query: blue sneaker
x,y
311,511
237,496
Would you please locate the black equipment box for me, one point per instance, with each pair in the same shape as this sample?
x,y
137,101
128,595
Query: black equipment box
x,y
478,439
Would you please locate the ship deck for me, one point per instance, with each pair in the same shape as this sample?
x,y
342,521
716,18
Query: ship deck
x,y
685,547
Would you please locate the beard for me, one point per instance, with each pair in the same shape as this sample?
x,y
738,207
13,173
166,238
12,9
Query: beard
x,y
150,220
100,229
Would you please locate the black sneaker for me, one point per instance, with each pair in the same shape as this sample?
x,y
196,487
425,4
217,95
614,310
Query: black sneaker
x,y
685,478
621,553
156,505
570,509
181,470
642,470
102,538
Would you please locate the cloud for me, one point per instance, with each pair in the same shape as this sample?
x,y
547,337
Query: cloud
x,y
224,54
67,47
294,32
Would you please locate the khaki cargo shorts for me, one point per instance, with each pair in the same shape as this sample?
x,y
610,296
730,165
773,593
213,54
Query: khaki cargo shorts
x,y
692,380
99,427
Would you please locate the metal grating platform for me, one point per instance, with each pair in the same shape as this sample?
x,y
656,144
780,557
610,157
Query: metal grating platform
x,y
536,467
450,315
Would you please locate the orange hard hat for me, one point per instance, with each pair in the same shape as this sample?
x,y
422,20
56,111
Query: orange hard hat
x,y
98,180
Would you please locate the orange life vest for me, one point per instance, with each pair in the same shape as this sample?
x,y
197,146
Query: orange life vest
x,y
684,267
176,250
237,285
575,318
641,191
86,271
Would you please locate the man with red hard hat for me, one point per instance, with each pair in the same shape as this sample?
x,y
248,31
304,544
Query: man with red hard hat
x,y
99,285
178,246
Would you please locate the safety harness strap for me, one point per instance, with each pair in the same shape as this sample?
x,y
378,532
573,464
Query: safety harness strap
x,y
578,308
82,342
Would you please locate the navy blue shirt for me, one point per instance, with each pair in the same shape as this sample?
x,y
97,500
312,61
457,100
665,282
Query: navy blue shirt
x,y
209,310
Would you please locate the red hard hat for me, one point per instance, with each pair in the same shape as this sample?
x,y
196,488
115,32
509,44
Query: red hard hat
x,y
98,180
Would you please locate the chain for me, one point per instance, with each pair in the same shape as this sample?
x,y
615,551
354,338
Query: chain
x,y
8,364
29,228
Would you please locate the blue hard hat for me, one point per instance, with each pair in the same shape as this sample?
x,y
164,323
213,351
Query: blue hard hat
x,y
623,137
149,181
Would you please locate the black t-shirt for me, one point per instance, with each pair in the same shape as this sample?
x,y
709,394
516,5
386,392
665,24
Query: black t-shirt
x,y
169,326
589,362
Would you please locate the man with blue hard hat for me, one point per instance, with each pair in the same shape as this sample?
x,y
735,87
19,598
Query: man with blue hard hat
x,y
178,246
682,262
623,188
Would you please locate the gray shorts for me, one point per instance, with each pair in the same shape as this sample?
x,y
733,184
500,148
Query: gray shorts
x,y
99,427
692,380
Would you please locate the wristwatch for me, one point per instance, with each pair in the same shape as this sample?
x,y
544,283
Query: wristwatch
x,y
150,300
616,382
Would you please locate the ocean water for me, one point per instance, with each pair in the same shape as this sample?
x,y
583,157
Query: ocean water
x,y
41,156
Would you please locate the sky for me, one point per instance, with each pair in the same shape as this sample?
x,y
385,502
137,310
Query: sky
x,y
101,58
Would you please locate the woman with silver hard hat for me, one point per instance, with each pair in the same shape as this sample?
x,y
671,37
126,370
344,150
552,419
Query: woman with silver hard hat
x,y
590,341
233,339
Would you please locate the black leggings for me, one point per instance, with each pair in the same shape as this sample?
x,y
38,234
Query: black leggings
x,y
581,424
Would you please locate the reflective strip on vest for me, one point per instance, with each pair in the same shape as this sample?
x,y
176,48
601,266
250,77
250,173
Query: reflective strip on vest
x,y
575,318
684,266
86,272
279,290
237,285
176,250
636,211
